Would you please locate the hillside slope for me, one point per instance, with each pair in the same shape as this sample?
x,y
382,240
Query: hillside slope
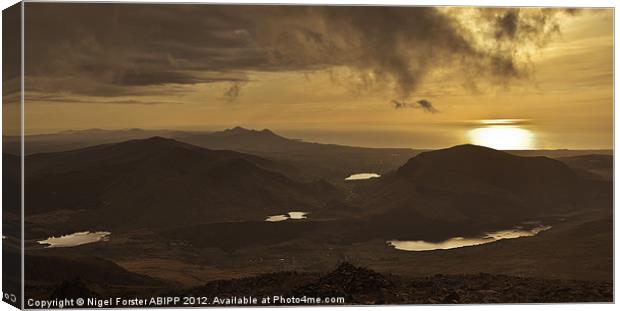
x,y
163,182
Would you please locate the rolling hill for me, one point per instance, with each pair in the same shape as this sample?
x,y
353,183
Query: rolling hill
x,y
163,182
469,183
316,160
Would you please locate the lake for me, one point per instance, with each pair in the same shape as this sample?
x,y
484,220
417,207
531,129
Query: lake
x,y
362,176
289,215
457,242
76,239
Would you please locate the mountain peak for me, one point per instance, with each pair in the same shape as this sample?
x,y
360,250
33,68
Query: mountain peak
x,y
155,142
237,129
158,139
471,147
494,167
466,154
85,131
462,152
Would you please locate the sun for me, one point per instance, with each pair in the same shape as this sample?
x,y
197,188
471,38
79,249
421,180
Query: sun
x,y
503,137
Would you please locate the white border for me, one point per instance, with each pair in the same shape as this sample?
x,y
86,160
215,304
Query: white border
x,y
548,3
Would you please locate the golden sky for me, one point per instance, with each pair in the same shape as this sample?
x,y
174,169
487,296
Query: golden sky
x,y
406,77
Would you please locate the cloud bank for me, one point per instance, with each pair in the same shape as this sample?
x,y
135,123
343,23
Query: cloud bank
x,y
133,50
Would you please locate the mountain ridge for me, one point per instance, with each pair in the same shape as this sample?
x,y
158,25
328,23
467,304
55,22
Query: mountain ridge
x,y
474,183
316,160
144,179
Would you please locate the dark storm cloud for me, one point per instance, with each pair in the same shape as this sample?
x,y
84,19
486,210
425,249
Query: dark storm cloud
x,y
118,50
507,24
528,25
136,77
423,104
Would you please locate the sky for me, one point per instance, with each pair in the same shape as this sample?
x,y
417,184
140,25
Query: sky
x,y
419,77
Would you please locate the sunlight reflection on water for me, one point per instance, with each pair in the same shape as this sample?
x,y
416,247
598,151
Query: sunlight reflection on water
x,y
290,215
362,176
75,239
461,241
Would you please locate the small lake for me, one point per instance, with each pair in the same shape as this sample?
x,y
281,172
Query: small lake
x,y
457,242
76,239
289,215
362,176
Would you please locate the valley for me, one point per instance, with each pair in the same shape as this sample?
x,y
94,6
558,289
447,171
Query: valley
x,y
163,213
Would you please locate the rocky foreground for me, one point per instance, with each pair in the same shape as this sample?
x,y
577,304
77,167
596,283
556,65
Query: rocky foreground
x,y
358,285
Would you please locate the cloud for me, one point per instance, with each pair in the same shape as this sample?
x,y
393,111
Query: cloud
x,y
93,100
521,25
427,106
423,104
127,49
232,93
401,104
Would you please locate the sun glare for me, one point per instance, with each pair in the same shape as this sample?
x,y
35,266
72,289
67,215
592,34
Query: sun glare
x,y
504,137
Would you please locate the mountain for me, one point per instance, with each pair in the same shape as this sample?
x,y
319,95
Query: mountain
x,y
163,182
76,139
326,161
238,138
315,160
592,166
460,191
469,183
334,162
461,168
